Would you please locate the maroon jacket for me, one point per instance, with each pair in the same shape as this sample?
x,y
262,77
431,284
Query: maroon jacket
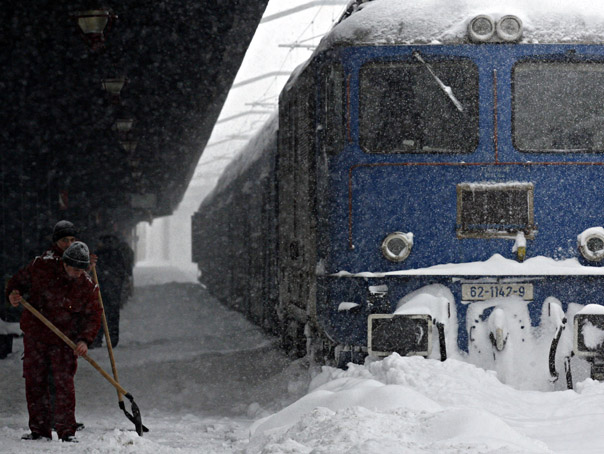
x,y
72,305
54,252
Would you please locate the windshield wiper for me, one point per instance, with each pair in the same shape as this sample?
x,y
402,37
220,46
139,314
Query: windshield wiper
x,y
444,87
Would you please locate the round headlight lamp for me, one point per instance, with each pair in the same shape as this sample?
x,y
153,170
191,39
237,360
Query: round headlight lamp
x,y
396,247
509,28
481,28
591,246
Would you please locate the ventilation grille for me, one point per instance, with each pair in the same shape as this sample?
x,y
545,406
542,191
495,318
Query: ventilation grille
x,y
495,210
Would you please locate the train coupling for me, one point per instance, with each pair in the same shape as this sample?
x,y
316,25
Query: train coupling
x,y
498,331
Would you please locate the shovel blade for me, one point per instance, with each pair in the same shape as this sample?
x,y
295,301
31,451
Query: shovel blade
x,y
134,417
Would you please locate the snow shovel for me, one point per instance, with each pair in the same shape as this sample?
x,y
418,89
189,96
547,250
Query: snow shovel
x,y
136,414
111,357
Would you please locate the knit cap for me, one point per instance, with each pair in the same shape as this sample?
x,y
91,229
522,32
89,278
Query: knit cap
x,y
77,256
63,229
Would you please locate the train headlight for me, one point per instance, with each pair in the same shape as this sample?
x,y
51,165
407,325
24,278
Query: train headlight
x,y
396,247
481,28
591,244
509,28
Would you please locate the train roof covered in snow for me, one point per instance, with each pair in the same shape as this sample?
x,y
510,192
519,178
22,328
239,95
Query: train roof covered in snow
x,y
249,154
386,22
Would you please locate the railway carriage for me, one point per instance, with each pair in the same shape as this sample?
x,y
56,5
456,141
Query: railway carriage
x,y
432,185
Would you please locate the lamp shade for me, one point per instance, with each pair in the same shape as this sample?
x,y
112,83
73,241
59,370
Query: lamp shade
x,y
114,85
129,145
123,125
93,21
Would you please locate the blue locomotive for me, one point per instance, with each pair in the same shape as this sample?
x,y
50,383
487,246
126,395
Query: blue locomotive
x,y
433,184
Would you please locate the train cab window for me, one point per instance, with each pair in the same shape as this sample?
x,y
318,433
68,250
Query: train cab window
x,y
558,106
403,109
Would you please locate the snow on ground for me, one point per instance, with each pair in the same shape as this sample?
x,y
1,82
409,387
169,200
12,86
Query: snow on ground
x,y
153,272
199,373
412,405
207,381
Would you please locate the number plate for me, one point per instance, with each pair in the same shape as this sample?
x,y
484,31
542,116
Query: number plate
x,y
482,292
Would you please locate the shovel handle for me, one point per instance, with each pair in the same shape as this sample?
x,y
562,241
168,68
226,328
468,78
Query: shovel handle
x,y
73,346
106,331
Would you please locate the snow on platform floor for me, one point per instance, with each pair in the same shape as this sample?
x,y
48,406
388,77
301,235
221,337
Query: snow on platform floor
x,y
207,381
194,368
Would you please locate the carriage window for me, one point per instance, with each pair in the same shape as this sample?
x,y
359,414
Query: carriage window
x,y
558,106
333,108
402,109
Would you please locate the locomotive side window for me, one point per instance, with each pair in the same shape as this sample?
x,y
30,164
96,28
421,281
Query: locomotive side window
x,y
333,108
402,108
557,106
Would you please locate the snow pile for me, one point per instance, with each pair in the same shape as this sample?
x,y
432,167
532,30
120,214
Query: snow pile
x,y
437,21
437,301
413,405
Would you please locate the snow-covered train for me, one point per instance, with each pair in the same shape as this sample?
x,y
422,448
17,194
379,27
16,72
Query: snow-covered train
x,y
433,185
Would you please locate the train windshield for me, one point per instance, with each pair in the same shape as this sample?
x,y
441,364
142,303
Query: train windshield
x,y
402,108
558,106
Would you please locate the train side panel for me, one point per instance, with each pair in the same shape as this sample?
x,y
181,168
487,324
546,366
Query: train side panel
x,y
234,232
296,176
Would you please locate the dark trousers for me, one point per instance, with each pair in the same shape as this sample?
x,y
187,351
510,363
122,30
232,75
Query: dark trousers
x,y
6,345
111,305
39,361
